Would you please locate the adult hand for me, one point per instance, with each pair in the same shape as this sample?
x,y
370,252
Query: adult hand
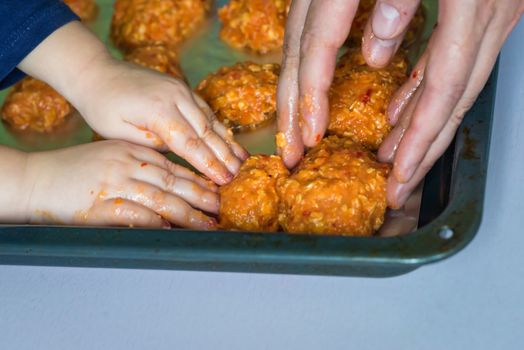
x,y
115,183
131,103
445,83
427,109
315,31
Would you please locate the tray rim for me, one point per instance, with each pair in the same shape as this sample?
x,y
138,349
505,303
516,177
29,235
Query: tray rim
x,y
278,253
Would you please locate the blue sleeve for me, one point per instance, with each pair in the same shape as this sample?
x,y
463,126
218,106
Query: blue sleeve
x,y
23,25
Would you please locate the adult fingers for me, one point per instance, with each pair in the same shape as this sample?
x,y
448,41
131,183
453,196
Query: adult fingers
x,y
391,18
403,95
388,148
491,45
121,212
289,138
398,192
385,30
191,192
449,67
326,28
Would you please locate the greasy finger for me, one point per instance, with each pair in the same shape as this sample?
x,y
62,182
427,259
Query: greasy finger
x,y
391,18
289,137
397,192
389,146
140,136
450,62
378,52
326,28
121,212
203,128
146,156
225,133
182,139
403,95
491,45
170,207
191,192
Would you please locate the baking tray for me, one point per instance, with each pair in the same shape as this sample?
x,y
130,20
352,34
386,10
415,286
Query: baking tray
x,y
447,216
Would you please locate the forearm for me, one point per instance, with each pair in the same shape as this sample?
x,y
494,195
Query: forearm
x,y
13,188
24,25
68,60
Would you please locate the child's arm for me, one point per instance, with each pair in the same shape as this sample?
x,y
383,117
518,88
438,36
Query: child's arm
x,y
13,192
127,102
23,26
103,183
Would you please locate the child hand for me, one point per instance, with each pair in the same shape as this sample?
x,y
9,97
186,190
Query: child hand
x,y
131,103
116,183
148,108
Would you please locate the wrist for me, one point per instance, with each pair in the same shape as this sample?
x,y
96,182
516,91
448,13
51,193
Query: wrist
x,y
14,186
68,60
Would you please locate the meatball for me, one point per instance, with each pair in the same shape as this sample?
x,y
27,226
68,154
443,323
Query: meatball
x,y
32,104
242,96
359,97
87,10
151,22
257,25
338,188
157,57
362,16
250,202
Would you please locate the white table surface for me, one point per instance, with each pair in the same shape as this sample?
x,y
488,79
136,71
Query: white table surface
x,y
474,300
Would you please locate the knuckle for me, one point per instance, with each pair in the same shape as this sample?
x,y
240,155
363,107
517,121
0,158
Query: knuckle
x,y
178,89
312,38
291,52
450,91
170,180
207,133
161,105
193,144
307,42
169,165
457,117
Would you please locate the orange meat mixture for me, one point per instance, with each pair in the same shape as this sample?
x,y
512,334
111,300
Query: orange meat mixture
x,y
257,25
338,188
364,13
359,97
250,202
157,57
151,22
32,104
242,96
85,9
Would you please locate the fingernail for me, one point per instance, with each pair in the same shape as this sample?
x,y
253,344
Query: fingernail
x,y
405,175
212,224
228,177
380,51
386,153
166,224
401,196
393,111
386,20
